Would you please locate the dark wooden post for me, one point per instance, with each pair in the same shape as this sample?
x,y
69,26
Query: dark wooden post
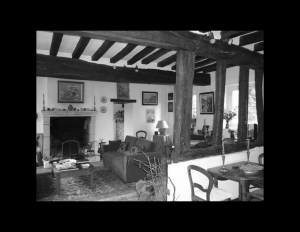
x,y
243,104
219,103
259,105
185,65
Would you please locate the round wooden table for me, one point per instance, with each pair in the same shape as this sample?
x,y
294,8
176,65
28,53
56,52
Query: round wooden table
x,y
238,176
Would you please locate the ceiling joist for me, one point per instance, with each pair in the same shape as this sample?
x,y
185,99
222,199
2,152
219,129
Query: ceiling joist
x,y
55,43
124,52
67,68
147,50
167,61
154,56
251,38
232,34
205,62
259,47
102,50
173,40
81,45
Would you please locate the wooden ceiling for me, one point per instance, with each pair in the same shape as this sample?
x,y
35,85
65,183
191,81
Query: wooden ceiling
x,y
147,52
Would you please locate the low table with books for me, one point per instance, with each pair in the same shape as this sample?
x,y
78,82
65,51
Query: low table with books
x,y
71,168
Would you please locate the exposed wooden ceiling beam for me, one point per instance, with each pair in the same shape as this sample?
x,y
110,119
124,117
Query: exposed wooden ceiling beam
x,y
232,34
213,67
204,31
154,56
147,50
205,62
167,61
55,43
102,50
251,38
67,68
81,45
197,59
124,52
181,41
259,47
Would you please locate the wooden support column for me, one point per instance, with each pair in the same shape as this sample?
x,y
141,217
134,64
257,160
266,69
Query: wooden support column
x,y
185,66
259,105
219,103
243,103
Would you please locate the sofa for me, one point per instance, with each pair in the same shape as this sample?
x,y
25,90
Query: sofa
x,y
118,161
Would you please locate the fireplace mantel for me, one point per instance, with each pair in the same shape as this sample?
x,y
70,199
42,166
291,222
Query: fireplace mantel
x,y
48,114
69,113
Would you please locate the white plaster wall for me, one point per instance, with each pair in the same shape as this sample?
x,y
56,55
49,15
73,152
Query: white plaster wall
x,y
179,176
41,88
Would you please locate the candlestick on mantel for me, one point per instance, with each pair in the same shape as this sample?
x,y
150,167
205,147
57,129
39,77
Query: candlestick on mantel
x,y
223,151
43,103
94,103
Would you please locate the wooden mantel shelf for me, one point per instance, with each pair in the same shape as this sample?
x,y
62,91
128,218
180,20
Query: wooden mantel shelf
x,y
67,113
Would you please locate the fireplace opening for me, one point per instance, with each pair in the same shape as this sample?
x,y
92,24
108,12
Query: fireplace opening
x,y
63,129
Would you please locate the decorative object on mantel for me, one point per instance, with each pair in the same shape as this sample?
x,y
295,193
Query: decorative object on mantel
x,y
43,103
94,104
103,109
70,107
103,99
228,115
162,125
48,109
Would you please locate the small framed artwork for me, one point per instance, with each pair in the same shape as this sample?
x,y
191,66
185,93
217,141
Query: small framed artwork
x,y
170,106
149,98
70,92
170,96
206,103
150,115
123,90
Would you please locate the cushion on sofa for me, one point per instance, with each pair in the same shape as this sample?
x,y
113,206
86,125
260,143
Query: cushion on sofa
x,y
114,145
137,149
123,147
148,145
131,142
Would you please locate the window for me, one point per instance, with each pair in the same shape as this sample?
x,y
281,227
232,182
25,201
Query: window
x,y
232,103
194,109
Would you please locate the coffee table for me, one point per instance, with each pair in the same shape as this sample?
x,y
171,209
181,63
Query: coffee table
x,y
72,173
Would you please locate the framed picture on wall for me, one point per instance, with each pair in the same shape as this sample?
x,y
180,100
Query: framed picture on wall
x,y
149,98
170,106
206,103
123,90
70,92
170,96
150,115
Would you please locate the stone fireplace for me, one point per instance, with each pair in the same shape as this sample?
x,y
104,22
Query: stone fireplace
x,y
47,116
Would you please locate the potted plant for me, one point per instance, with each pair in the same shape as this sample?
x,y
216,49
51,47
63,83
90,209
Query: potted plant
x,y
119,116
228,115
154,186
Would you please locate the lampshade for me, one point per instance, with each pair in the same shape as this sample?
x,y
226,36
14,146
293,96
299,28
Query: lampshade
x,y
162,125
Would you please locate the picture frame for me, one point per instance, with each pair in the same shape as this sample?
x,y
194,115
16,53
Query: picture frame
x,y
206,103
70,92
123,91
149,98
170,96
170,106
150,115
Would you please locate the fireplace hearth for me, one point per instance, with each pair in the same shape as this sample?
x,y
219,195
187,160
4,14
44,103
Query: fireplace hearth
x,y
63,129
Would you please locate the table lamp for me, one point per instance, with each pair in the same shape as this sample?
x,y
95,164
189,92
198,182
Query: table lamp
x,y
162,125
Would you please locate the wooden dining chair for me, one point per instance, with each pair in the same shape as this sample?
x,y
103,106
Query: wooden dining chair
x,y
139,136
258,193
211,193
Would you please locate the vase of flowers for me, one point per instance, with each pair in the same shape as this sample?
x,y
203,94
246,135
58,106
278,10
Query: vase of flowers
x,y
228,115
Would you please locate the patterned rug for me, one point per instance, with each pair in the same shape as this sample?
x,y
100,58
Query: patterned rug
x,y
106,185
